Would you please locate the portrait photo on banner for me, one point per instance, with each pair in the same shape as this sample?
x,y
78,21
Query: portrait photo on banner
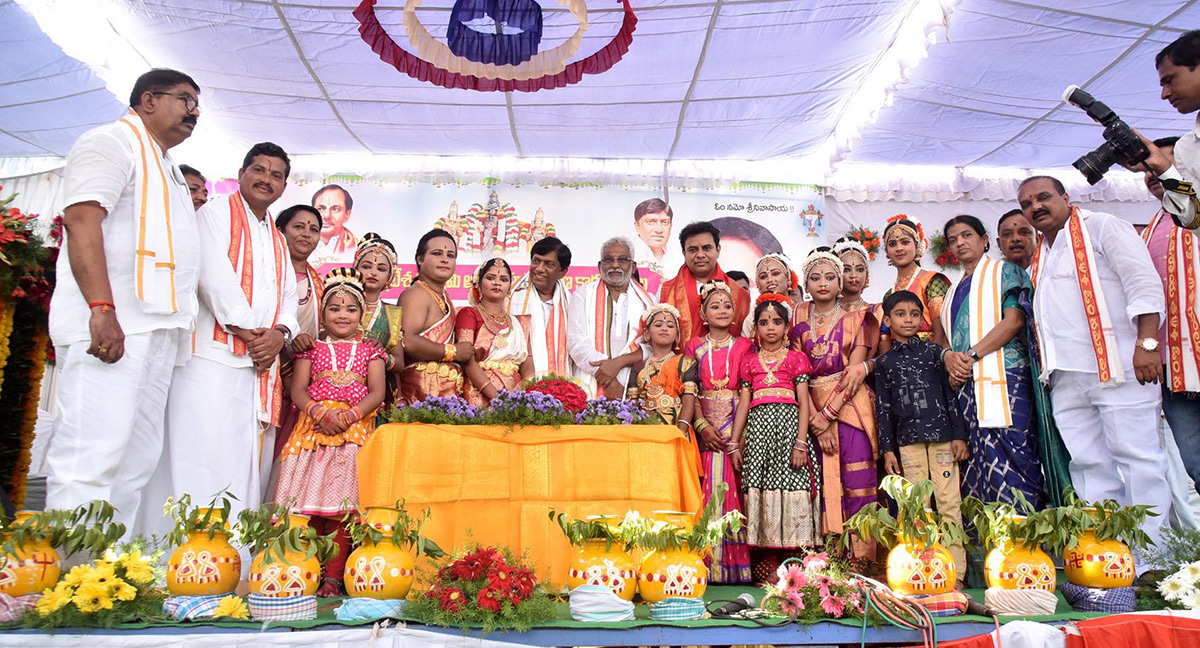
x,y
504,220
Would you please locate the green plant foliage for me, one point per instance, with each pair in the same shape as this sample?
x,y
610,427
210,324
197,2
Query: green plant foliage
x,y
708,530
1179,547
406,531
88,528
579,532
211,519
268,530
920,526
1060,528
999,523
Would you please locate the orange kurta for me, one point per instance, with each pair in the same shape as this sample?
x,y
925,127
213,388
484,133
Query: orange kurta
x,y
499,485
680,291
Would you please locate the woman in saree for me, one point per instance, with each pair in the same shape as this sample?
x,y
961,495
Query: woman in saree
x,y
301,227
904,243
773,274
375,261
986,323
428,324
659,385
856,276
714,379
501,340
842,419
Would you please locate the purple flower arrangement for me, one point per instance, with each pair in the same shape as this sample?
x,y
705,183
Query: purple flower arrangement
x,y
519,408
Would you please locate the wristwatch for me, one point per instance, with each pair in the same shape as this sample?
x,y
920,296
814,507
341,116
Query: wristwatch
x,y
1148,344
972,353
287,333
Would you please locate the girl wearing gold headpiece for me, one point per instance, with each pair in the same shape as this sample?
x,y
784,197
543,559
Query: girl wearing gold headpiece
x,y
714,379
375,261
659,384
843,418
501,340
338,385
773,274
772,447
904,243
856,276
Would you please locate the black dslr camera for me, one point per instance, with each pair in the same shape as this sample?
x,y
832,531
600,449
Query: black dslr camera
x,y
1121,144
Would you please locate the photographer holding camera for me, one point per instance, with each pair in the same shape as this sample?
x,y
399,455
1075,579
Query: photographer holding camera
x,y
1180,81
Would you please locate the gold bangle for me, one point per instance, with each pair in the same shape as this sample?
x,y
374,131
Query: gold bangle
x,y
450,351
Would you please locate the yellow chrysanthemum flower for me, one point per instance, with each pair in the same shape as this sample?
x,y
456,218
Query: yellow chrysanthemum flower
x,y
54,599
102,574
77,575
92,597
233,607
137,567
122,591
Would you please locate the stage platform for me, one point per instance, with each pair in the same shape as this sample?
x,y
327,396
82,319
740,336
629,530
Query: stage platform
x,y
325,630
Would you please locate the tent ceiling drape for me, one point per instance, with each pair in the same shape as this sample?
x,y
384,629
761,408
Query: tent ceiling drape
x,y
976,82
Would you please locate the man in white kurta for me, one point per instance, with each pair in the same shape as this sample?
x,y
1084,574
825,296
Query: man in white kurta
x,y
1106,406
224,403
119,319
603,321
542,295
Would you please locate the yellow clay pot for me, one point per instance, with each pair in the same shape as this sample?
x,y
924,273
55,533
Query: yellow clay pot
x,y
1099,563
31,569
380,570
913,571
672,573
595,564
1018,567
293,576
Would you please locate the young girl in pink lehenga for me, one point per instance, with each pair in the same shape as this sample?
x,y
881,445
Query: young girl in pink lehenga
x,y
338,385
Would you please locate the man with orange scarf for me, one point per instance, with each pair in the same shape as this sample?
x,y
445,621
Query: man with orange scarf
x,y
226,400
701,242
1176,255
1096,303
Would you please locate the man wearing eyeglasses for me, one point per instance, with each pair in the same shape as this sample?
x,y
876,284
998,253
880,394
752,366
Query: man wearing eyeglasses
x,y
123,308
603,320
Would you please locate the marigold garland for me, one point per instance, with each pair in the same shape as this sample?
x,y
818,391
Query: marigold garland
x,y
6,329
29,421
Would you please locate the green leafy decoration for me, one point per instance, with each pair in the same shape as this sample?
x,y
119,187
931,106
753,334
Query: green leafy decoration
x,y
406,530
211,519
915,524
88,528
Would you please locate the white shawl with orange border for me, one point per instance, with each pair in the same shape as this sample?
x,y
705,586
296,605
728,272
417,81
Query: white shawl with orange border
x,y
154,254
1108,355
984,302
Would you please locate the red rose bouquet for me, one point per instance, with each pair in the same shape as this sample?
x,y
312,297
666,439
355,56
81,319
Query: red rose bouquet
x,y
485,587
566,390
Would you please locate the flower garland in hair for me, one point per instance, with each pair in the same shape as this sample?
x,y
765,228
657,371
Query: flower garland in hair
x,y
713,286
897,223
781,300
823,255
793,279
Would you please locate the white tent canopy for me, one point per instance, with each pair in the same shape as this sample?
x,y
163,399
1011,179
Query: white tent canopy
x,y
968,90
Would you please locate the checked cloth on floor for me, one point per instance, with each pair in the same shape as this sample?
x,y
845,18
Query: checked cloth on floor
x,y
943,605
290,608
368,609
1095,599
677,608
13,608
184,608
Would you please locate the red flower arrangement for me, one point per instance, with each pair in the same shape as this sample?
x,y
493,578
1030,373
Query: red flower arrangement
x,y
566,390
484,586
942,254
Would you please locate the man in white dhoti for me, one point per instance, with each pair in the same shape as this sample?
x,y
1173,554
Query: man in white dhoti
x,y
125,299
1097,301
542,295
225,402
603,321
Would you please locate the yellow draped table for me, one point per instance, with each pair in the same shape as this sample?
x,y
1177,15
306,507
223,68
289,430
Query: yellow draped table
x,y
492,485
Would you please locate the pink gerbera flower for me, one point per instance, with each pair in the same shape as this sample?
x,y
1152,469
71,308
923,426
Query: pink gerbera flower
x,y
816,562
833,606
792,577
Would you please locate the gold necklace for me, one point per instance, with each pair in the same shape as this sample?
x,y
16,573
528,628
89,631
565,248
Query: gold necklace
x,y
713,346
500,339
858,303
440,299
768,360
902,282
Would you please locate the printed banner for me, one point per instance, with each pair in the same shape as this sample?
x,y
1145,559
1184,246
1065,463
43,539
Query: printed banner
x,y
500,219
